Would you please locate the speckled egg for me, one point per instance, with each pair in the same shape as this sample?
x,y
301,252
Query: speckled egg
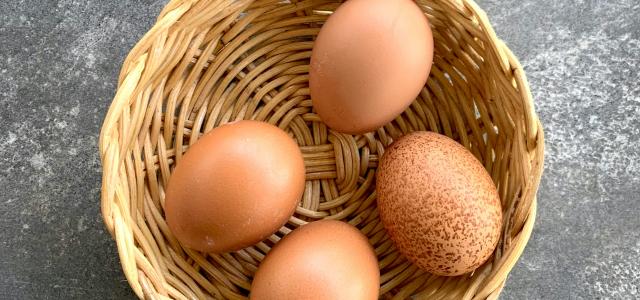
x,y
438,204
325,259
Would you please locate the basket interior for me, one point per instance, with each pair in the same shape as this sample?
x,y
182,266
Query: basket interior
x,y
212,62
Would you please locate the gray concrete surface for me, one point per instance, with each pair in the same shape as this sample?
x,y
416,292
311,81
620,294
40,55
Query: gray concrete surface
x,y
59,62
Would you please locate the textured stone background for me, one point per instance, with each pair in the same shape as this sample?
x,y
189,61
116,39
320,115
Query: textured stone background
x,y
59,62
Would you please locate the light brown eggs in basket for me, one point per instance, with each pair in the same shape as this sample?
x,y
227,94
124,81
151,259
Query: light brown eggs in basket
x,y
370,61
324,259
235,187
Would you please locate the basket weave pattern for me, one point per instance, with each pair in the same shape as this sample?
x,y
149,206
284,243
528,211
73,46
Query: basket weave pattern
x,y
206,63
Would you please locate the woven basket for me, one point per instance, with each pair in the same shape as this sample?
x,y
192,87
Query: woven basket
x,y
206,63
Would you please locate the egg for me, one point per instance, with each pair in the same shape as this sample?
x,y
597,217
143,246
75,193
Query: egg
x,y
234,187
369,62
438,204
325,259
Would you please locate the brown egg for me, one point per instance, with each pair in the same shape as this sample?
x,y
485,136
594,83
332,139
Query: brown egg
x,y
438,204
369,62
321,260
235,187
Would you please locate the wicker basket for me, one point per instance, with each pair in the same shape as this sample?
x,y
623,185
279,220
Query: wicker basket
x,y
205,63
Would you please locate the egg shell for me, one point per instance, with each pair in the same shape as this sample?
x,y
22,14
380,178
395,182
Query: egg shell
x,y
369,62
438,204
321,260
234,187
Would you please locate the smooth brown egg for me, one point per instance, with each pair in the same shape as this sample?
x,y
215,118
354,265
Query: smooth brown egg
x,y
235,187
438,204
321,260
369,62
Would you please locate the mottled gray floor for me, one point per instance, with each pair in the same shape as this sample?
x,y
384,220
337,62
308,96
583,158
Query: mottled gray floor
x,y
59,62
